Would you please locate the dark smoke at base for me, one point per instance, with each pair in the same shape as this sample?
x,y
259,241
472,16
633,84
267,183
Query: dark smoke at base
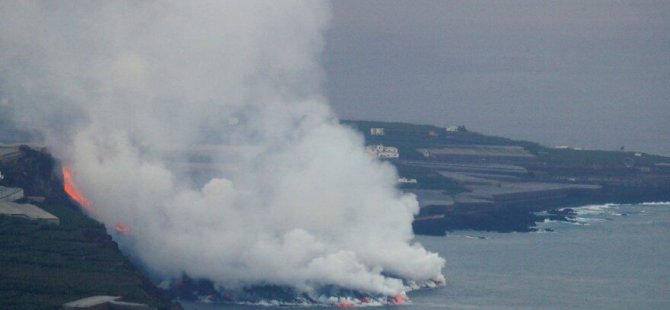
x,y
117,89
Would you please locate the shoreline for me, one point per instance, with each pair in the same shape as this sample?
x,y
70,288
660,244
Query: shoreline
x,y
519,216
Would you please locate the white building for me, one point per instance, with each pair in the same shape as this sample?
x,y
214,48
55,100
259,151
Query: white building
x,y
376,131
381,151
426,153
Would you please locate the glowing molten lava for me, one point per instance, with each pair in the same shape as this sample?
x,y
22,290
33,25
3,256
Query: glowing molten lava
x,y
122,229
70,187
399,299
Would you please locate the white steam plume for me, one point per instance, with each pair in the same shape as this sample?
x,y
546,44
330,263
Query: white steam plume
x,y
117,88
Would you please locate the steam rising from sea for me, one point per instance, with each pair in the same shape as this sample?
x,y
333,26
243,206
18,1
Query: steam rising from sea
x,y
115,86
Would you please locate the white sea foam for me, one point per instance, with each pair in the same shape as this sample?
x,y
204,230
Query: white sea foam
x,y
595,209
657,203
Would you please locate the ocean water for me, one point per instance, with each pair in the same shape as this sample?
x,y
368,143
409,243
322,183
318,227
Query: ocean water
x,y
611,257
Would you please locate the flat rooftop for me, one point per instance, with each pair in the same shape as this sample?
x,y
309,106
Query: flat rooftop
x,y
27,211
90,301
104,302
10,193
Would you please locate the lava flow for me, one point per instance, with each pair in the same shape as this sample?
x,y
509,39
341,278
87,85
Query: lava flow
x,y
70,187
122,229
399,299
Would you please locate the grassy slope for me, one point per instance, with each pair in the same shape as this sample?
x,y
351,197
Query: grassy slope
x,y
43,266
409,137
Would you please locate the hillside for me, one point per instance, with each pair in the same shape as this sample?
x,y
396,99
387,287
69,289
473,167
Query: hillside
x,y
43,265
467,180
462,179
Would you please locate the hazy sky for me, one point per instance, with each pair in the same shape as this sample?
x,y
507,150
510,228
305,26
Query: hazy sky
x,y
594,74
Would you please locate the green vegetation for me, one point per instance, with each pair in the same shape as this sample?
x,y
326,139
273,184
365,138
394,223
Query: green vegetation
x,y
43,265
604,159
409,137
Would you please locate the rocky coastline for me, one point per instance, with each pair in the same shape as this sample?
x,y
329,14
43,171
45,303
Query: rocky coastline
x,y
464,180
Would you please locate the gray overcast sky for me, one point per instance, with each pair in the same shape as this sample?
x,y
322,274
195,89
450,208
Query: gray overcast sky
x,y
589,73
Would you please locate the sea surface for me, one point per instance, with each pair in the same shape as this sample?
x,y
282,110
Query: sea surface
x,y
610,257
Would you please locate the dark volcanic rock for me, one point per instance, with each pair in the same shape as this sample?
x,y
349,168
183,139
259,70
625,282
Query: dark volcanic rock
x,y
36,172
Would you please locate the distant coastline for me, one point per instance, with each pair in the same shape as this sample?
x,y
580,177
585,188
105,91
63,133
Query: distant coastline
x,y
467,180
462,180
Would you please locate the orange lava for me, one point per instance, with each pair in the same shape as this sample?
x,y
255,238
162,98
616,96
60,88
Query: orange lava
x,y
70,187
399,299
122,228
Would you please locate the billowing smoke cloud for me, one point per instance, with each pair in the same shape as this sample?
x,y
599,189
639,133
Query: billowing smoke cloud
x,y
123,91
